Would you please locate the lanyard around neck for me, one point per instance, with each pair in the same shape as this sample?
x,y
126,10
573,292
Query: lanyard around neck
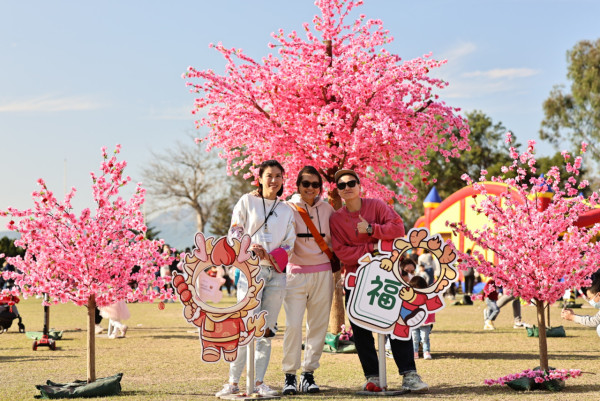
x,y
265,212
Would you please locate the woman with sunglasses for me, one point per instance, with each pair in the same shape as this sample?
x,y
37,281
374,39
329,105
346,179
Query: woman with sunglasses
x,y
270,225
356,229
309,283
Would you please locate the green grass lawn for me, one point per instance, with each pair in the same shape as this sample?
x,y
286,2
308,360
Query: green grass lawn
x,y
160,357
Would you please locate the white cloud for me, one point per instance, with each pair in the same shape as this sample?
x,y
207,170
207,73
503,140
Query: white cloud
x,y
502,73
457,52
49,103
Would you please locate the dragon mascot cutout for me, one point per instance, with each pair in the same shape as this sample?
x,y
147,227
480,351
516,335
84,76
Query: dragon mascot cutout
x,y
222,330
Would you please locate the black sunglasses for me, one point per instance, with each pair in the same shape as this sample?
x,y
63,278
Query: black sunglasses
x,y
314,184
342,185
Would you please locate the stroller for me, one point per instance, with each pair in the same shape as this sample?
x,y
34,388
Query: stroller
x,y
9,312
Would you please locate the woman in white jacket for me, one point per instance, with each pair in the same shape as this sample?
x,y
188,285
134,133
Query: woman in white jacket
x,y
309,285
270,224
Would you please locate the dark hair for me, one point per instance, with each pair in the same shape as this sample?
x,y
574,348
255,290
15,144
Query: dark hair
x,y
418,282
309,170
595,287
407,261
265,165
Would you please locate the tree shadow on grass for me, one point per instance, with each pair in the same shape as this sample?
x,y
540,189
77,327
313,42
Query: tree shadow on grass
x,y
28,358
172,336
505,391
513,355
326,392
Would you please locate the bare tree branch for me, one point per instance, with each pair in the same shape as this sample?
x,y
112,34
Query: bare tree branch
x,y
185,175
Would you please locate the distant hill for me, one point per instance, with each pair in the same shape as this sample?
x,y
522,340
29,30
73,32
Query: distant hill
x,y
177,227
10,234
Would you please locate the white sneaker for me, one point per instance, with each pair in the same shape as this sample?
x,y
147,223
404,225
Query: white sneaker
x,y
412,381
98,329
489,325
264,390
426,355
228,389
123,331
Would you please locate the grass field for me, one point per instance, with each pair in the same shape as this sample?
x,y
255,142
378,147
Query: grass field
x,y
160,357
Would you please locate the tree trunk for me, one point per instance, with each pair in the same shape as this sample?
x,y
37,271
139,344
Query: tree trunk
x,y
335,199
91,340
337,316
543,344
199,221
548,316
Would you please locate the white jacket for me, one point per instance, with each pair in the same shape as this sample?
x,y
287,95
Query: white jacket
x,y
249,218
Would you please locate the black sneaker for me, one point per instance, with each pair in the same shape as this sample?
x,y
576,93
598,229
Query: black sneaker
x,y
289,388
307,383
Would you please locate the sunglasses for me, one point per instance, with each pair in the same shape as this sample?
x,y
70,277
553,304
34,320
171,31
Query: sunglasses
x,y
342,185
314,184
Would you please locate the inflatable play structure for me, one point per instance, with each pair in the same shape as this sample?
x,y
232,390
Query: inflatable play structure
x,y
457,208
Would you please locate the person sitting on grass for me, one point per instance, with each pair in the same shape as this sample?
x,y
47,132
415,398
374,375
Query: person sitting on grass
x,y
593,296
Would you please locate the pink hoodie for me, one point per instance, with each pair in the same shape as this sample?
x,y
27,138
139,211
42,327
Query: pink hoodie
x,y
308,256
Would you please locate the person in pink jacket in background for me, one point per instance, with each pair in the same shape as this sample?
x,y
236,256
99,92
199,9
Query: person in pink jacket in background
x,y
356,229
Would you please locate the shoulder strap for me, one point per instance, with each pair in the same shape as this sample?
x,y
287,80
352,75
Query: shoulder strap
x,y
313,230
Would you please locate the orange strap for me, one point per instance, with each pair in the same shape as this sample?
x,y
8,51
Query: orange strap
x,y
313,230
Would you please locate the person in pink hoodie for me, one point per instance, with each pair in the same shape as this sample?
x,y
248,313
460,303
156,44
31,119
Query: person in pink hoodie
x,y
356,229
309,284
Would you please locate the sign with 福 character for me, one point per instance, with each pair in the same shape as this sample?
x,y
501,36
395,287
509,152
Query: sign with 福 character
x,y
382,301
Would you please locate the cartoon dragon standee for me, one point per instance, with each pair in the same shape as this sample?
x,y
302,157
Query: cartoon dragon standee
x,y
222,330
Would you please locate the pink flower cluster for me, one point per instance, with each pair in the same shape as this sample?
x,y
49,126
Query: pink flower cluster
x,y
103,252
532,230
539,376
336,99
346,333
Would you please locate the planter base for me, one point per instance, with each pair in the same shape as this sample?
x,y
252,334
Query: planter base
x,y
102,387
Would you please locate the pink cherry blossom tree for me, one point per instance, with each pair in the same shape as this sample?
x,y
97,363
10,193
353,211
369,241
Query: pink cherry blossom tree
x,y
335,99
94,259
541,251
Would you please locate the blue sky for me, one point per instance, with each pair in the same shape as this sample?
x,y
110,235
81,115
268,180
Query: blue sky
x,y
76,76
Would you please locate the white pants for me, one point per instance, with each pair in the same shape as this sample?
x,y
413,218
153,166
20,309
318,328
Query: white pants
x,y
114,326
271,298
310,292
